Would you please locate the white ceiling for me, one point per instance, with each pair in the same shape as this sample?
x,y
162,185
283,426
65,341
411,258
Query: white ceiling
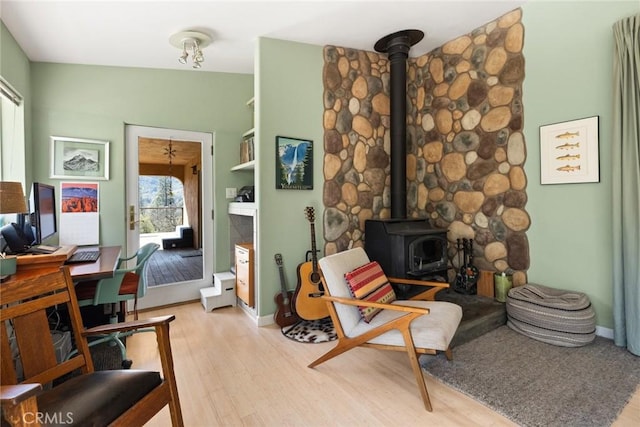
x,y
136,33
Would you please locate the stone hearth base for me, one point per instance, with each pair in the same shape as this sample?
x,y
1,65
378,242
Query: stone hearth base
x,y
479,315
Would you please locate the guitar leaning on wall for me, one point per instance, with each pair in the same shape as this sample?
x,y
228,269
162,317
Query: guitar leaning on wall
x,y
284,315
308,304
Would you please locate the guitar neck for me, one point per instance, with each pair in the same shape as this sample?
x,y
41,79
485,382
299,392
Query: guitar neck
x,y
314,253
283,286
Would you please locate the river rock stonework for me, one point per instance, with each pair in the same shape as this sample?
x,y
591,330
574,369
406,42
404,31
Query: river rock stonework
x,y
465,147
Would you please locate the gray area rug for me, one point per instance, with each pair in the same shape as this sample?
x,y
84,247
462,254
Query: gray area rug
x,y
538,384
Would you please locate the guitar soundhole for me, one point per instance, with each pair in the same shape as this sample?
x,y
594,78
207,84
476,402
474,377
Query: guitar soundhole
x,y
315,278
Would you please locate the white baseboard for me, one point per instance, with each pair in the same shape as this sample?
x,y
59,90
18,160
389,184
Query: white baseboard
x,y
601,331
266,320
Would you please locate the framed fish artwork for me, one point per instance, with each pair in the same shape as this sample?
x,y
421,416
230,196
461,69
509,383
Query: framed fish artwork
x,y
294,163
569,152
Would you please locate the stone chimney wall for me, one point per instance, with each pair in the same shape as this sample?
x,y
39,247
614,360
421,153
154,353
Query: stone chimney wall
x,y
465,147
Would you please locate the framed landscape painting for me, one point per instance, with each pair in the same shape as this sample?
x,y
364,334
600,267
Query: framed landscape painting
x,y
79,158
294,163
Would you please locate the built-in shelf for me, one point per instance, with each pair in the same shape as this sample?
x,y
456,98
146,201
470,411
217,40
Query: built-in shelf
x,y
242,208
246,166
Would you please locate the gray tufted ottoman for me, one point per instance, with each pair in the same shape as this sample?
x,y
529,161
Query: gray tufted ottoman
x,y
554,316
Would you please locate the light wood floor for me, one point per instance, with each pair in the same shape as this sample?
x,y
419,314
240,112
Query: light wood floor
x,y
233,373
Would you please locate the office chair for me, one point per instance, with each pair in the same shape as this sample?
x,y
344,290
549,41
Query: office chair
x,y
126,284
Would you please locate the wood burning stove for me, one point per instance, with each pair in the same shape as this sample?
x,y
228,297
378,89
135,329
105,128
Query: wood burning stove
x,y
407,248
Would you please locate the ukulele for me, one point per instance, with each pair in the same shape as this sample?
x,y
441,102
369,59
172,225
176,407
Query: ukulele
x,y
284,315
308,304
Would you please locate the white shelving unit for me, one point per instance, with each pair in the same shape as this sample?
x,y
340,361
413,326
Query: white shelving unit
x,y
248,135
246,166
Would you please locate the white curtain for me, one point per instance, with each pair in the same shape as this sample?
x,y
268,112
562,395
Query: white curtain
x,y
12,151
626,184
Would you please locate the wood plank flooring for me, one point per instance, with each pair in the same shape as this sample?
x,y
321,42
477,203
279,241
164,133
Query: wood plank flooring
x,y
232,373
170,266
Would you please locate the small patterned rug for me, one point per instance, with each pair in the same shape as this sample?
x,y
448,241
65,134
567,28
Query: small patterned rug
x,y
311,331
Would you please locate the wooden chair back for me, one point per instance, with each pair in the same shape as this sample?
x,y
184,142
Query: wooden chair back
x,y
29,359
25,331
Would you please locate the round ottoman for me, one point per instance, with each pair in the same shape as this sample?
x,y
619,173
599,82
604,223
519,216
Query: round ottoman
x,y
554,316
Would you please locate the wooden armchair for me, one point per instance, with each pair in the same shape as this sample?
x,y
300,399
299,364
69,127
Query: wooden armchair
x,y
30,366
413,326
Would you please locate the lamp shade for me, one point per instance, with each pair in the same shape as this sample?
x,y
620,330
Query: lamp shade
x,y
12,198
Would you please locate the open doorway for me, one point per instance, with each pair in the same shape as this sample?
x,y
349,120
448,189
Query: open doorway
x,y
169,187
169,199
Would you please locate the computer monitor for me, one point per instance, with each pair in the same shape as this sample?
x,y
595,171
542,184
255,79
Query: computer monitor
x,y
43,212
32,229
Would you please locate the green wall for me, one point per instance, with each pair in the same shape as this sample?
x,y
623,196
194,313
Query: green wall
x,y
568,49
288,103
95,102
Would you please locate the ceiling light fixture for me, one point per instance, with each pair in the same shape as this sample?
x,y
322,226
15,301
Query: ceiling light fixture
x,y
191,43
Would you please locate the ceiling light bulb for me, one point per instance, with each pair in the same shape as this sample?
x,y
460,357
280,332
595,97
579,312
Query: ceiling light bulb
x,y
198,57
196,64
183,57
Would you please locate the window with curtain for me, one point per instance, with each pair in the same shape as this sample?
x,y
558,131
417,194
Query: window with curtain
x,y
12,143
626,183
12,151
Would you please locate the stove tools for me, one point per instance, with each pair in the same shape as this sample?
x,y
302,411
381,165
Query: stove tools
x,y
467,277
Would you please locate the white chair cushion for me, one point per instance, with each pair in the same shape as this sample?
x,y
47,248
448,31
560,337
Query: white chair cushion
x,y
434,330
334,267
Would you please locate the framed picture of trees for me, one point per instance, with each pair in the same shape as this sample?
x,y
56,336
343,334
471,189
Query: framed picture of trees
x,y
294,163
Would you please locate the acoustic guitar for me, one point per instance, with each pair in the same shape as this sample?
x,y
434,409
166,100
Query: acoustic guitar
x,y
308,304
284,315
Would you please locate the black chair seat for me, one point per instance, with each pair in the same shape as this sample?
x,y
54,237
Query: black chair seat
x,y
95,399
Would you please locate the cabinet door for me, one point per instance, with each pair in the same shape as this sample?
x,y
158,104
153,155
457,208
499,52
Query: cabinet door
x,y
244,273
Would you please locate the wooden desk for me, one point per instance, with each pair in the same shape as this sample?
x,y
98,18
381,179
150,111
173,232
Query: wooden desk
x,y
37,261
102,268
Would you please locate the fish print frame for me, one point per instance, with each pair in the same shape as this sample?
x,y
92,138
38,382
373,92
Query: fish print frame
x,y
294,163
569,152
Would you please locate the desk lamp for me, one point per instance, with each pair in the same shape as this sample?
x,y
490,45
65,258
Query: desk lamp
x,y
12,198
11,202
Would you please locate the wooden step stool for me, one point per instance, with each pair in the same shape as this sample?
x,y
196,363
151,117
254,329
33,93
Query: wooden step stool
x,y
221,294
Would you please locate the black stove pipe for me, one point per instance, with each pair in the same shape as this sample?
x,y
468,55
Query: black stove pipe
x,y
397,46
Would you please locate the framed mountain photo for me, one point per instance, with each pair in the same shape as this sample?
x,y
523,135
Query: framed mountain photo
x,y
79,158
